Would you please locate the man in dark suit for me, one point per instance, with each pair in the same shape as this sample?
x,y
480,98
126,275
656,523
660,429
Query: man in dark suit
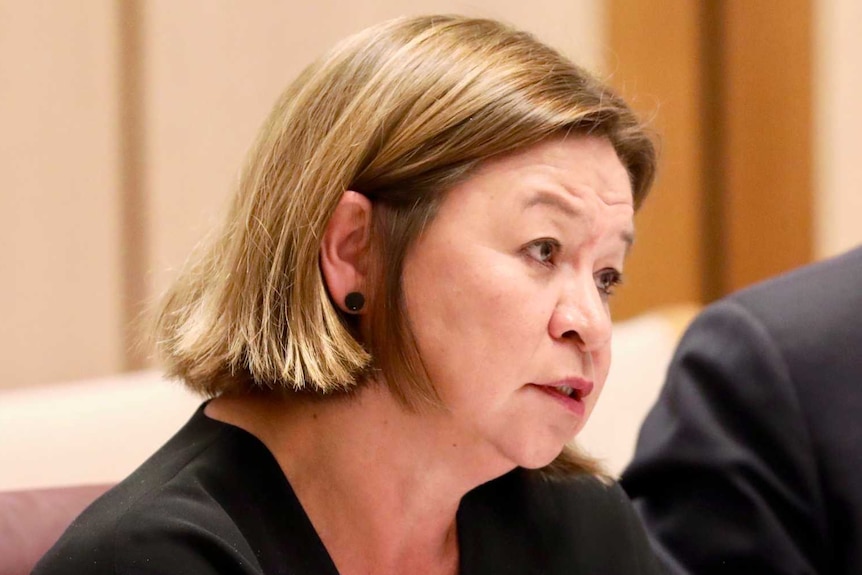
x,y
751,460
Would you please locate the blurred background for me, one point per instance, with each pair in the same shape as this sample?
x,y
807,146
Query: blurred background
x,y
123,126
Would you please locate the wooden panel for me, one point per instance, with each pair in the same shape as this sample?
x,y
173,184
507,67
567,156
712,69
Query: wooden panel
x,y
655,47
59,225
732,82
768,150
134,219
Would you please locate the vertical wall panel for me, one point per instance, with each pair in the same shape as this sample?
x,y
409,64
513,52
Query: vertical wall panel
x,y
733,83
655,46
767,148
134,233
59,262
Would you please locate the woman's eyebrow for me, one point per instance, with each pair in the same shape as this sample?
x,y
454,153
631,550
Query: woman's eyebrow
x,y
628,238
545,198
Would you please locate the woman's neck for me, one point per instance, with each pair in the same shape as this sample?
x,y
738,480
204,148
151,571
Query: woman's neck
x,y
381,485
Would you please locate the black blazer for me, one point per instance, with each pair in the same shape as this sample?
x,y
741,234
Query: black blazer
x,y
751,459
214,501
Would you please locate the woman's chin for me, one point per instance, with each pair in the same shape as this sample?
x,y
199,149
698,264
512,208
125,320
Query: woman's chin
x,y
539,458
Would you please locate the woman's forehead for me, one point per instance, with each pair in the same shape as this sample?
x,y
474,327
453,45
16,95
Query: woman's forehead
x,y
556,171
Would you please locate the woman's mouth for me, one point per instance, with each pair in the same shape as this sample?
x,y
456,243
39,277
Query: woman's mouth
x,y
569,393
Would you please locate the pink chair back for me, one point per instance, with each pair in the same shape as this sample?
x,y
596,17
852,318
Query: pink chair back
x,y
32,521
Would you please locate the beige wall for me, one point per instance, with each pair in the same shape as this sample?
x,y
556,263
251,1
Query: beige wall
x,y
124,123
59,173
838,121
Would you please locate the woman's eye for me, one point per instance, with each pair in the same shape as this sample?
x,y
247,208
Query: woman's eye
x,y
607,280
543,251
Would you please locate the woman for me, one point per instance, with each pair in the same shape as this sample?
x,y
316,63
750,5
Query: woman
x,y
401,325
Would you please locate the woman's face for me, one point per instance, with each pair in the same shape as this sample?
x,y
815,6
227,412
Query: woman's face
x,y
507,293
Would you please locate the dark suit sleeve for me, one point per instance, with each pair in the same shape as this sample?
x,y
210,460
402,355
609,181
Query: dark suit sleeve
x,y
723,476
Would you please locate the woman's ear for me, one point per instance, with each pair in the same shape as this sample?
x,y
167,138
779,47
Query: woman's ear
x,y
344,249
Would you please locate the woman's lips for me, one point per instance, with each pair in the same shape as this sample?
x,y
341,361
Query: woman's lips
x,y
569,393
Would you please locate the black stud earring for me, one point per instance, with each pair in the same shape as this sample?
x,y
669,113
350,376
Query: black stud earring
x,y
354,301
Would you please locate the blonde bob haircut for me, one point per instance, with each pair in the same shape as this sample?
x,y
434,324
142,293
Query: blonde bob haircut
x,y
400,113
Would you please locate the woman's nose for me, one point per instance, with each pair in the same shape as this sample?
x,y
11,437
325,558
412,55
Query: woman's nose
x,y
582,316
